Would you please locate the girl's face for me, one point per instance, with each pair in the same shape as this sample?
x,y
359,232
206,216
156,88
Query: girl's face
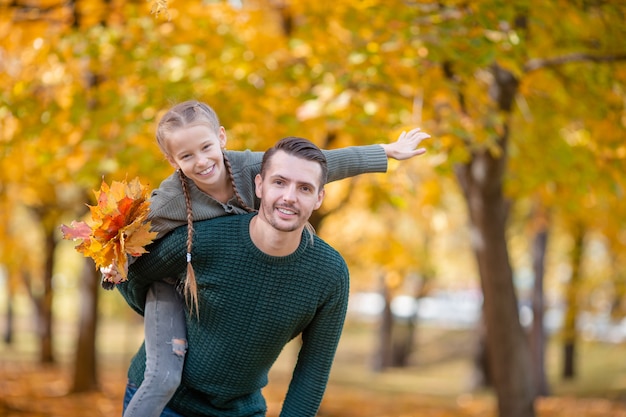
x,y
197,151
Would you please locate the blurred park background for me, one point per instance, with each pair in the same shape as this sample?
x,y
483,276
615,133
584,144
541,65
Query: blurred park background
x,y
488,276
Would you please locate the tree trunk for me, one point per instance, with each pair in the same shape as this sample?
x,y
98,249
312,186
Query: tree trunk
x,y
570,332
7,337
569,359
507,344
382,358
481,376
85,364
85,361
481,180
45,302
42,299
537,335
618,307
403,332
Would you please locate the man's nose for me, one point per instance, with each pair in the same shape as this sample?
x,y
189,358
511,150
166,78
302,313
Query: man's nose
x,y
290,193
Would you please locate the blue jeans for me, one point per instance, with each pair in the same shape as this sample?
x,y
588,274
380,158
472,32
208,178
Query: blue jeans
x,y
166,346
131,390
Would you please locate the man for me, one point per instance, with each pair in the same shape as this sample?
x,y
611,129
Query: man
x,y
262,281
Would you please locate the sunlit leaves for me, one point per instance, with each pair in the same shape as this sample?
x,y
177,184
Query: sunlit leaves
x,y
80,102
118,226
159,7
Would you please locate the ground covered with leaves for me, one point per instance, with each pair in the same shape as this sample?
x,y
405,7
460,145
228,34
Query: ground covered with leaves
x,y
30,390
436,383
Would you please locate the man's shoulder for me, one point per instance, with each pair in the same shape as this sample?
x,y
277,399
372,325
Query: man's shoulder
x,y
225,230
329,268
226,221
323,245
331,255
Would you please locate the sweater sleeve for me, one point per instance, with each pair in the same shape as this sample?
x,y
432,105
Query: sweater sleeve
x,y
355,160
168,209
342,162
165,258
319,344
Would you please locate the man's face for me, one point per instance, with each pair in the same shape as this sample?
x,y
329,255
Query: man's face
x,y
289,192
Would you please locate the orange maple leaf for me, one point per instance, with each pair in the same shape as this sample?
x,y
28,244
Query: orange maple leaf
x,y
118,226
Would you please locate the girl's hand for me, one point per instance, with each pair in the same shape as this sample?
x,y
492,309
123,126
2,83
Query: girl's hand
x,y
111,274
407,145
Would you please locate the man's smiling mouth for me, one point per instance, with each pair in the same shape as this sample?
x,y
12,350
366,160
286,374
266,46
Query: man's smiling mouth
x,y
286,210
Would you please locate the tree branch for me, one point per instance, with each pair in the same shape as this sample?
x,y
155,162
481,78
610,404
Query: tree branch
x,y
536,64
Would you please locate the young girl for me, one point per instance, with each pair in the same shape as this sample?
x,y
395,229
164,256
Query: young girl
x,y
211,182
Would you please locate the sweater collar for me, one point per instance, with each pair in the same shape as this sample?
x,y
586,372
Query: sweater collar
x,y
244,232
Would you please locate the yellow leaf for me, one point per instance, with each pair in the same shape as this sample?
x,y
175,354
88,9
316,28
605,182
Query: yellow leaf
x,y
118,225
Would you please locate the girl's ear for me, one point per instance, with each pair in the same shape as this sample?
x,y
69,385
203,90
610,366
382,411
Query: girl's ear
x,y
172,162
222,137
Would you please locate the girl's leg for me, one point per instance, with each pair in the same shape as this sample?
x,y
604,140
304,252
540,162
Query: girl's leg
x,y
131,389
166,345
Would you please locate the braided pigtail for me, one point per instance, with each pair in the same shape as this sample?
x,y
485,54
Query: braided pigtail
x,y
311,231
190,288
229,169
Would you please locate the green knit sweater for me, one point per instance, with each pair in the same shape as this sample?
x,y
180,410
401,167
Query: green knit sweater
x,y
251,304
168,209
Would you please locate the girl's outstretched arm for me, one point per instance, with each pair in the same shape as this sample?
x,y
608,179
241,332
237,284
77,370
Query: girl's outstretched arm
x,y
407,145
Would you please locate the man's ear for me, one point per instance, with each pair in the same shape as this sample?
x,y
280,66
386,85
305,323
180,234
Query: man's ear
x,y
258,182
320,198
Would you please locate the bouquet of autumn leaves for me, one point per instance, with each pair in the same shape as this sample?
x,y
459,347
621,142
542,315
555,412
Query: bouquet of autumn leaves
x,y
117,229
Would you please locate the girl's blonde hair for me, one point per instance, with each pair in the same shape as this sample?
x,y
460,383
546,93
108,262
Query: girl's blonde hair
x,y
183,115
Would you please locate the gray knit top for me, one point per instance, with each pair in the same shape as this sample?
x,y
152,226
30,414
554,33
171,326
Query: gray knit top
x,y
168,210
